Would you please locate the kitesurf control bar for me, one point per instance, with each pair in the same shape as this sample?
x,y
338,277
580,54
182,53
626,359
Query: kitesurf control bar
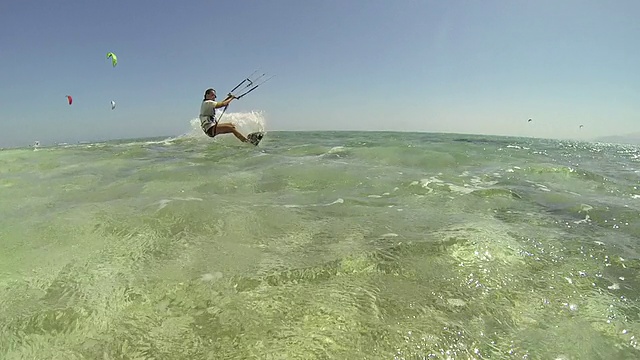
x,y
250,84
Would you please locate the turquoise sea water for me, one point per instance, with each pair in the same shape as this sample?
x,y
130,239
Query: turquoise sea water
x,y
321,245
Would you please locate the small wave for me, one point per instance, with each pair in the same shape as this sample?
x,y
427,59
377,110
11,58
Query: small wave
x,y
338,201
496,192
567,171
336,152
164,202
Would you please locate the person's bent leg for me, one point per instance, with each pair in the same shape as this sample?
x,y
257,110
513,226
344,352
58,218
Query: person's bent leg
x,y
227,128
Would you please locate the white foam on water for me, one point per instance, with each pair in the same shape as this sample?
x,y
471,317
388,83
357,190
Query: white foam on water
x,y
164,202
336,151
208,277
432,180
338,201
456,302
476,183
583,221
389,235
585,207
462,189
541,187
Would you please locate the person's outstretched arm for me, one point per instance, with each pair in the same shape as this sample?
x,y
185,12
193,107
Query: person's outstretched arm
x,y
225,102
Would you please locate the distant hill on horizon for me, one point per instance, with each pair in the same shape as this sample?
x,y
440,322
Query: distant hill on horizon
x,y
633,138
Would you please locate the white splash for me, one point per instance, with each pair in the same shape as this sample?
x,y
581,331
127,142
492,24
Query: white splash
x,y
245,122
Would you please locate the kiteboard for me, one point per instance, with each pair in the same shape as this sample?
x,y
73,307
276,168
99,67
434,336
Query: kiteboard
x,y
255,137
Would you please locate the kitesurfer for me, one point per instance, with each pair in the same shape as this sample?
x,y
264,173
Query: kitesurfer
x,y
208,120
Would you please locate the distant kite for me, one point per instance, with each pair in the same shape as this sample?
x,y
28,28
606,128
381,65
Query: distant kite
x,y
113,104
529,120
581,126
69,99
114,58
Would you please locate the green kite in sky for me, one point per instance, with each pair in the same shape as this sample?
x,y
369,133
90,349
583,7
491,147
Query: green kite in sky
x,y
114,58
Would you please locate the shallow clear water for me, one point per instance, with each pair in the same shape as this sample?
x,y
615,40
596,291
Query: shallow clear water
x,y
321,245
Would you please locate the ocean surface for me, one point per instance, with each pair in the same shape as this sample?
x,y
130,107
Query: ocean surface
x,y
321,245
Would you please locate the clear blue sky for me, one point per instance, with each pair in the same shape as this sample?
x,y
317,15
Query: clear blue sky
x,y
436,66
